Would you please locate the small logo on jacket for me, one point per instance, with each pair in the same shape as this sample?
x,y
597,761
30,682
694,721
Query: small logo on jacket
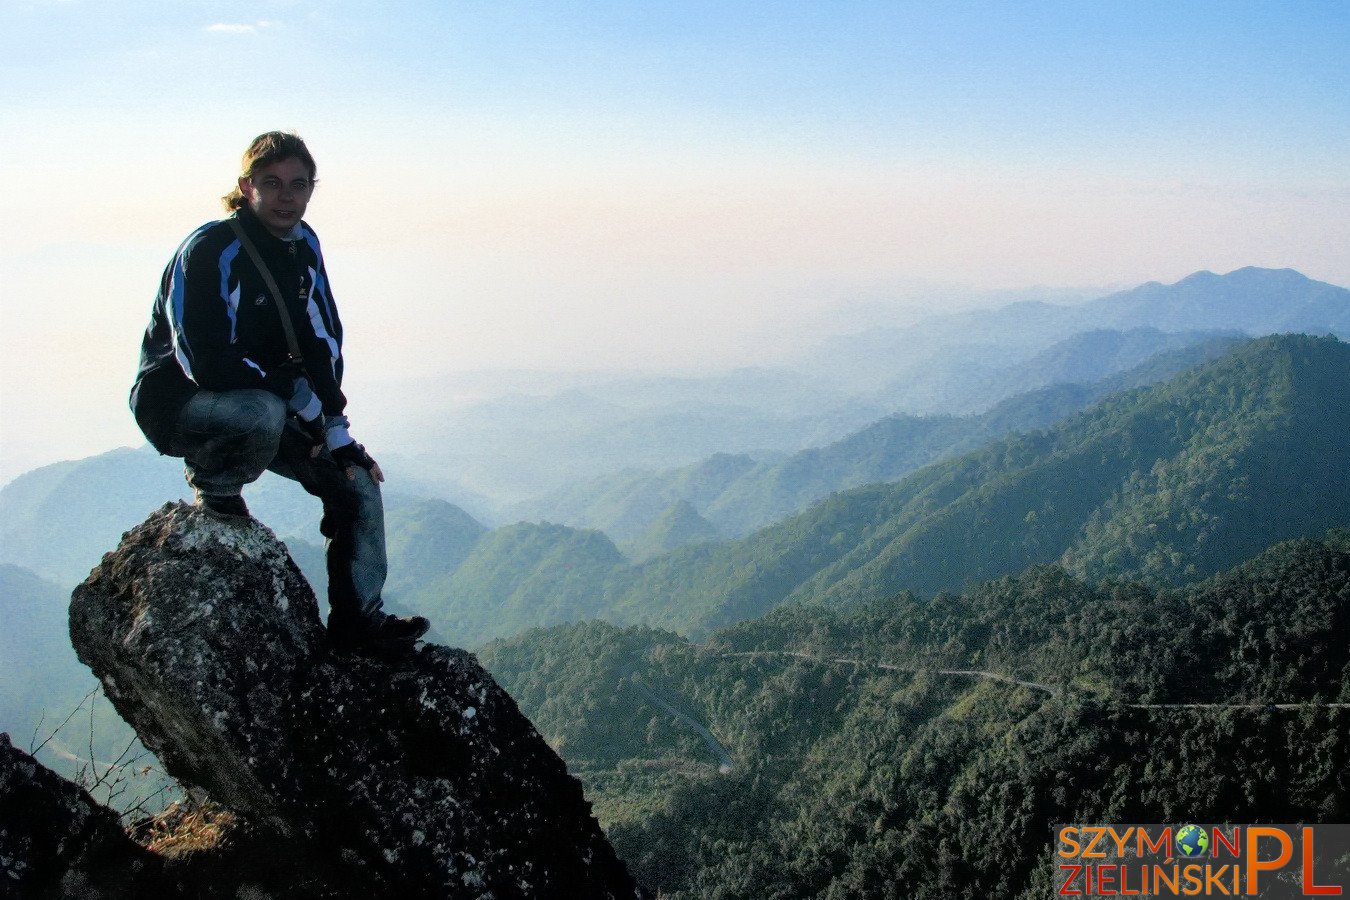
x,y
260,300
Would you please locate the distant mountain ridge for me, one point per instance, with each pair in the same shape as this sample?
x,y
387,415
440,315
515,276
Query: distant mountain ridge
x,y
1241,299
60,519
737,495
1250,448
1166,483
515,450
921,360
54,521
678,526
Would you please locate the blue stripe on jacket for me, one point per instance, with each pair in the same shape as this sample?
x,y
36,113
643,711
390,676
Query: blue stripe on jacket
x,y
321,286
177,291
231,299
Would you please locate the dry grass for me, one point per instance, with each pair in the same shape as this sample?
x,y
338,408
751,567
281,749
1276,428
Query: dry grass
x,y
185,828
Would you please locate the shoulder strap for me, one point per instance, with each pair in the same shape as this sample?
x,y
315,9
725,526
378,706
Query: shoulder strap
x,y
291,343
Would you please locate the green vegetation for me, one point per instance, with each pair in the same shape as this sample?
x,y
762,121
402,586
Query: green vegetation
x,y
52,704
677,526
1168,483
426,538
854,780
39,674
515,578
1164,484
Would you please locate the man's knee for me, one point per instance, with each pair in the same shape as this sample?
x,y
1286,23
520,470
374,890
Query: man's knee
x,y
353,498
365,488
253,422
232,415
255,413
231,431
354,502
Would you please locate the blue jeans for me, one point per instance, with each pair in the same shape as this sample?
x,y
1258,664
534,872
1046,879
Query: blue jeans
x,y
228,438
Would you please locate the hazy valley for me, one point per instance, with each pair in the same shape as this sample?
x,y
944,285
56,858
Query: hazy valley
x,y
729,602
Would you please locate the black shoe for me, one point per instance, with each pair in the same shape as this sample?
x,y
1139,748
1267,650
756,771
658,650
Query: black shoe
x,y
383,633
223,506
400,628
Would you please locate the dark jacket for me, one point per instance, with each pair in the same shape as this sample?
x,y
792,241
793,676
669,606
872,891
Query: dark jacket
x,y
215,326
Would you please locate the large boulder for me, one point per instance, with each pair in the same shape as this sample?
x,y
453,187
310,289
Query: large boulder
x,y
411,776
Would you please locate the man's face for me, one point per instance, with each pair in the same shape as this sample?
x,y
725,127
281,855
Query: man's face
x,y
278,194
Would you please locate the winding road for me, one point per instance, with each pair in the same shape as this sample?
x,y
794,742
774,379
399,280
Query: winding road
x,y
1007,679
972,673
726,763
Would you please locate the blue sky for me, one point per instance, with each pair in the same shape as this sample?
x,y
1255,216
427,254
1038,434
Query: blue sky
x,y
670,185
1129,83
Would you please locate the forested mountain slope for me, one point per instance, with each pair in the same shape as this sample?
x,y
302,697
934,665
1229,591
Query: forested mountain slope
x,y
48,699
38,669
892,448
851,779
59,520
516,577
1168,483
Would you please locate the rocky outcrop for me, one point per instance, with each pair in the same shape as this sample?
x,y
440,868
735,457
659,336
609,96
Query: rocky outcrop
x,y
55,840
410,776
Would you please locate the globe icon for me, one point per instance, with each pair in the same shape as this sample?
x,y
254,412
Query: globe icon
x,y
1192,840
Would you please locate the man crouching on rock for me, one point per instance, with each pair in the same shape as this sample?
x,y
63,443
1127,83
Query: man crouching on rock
x,y
241,370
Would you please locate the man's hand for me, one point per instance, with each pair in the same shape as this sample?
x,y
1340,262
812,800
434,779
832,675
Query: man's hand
x,y
349,456
346,452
